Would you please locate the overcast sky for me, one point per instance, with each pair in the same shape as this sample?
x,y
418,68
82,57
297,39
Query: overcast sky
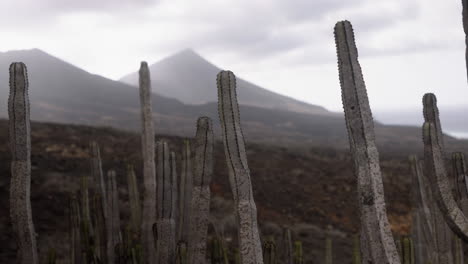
x,y
407,47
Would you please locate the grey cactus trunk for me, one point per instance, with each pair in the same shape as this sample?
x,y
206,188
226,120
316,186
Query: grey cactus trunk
x,y
239,173
287,247
75,231
134,200
201,196
422,227
114,236
97,174
166,206
99,229
377,244
149,169
20,184
461,184
435,169
185,193
465,28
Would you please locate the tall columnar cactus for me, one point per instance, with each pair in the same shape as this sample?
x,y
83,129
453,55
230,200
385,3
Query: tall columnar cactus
x,y
422,227
75,231
328,251
407,251
298,253
181,253
134,200
166,196
459,167
377,244
269,251
201,196
356,250
114,236
436,171
287,247
465,28
173,167
218,252
97,174
185,193
239,173
87,226
20,145
149,170
99,228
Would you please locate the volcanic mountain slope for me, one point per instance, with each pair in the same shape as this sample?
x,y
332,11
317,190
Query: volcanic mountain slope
x,y
61,92
188,77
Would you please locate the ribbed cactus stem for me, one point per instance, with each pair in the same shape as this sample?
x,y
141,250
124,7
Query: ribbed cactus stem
x,y
181,253
99,229
239,173
436,171
149,169
458,252
98,176
165,223
185,193
422,227
85,209
269,251
459,168
287,247
201,196
298,253
377,244
51,256
75,231
465,28
114,236
407,251
134,200
328,251
356,250
174,187
20,184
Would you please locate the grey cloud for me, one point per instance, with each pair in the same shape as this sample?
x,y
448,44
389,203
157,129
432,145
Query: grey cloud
x,y
312,9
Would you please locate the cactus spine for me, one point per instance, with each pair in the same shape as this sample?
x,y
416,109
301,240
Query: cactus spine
x,y
149,170
165,224
377,242
239,173
20,145
201,195
435,169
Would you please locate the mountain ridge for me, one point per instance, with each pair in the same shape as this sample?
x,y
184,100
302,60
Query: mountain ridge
x,y
190,78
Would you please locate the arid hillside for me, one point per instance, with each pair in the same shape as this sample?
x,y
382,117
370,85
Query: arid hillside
x,y
312,190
